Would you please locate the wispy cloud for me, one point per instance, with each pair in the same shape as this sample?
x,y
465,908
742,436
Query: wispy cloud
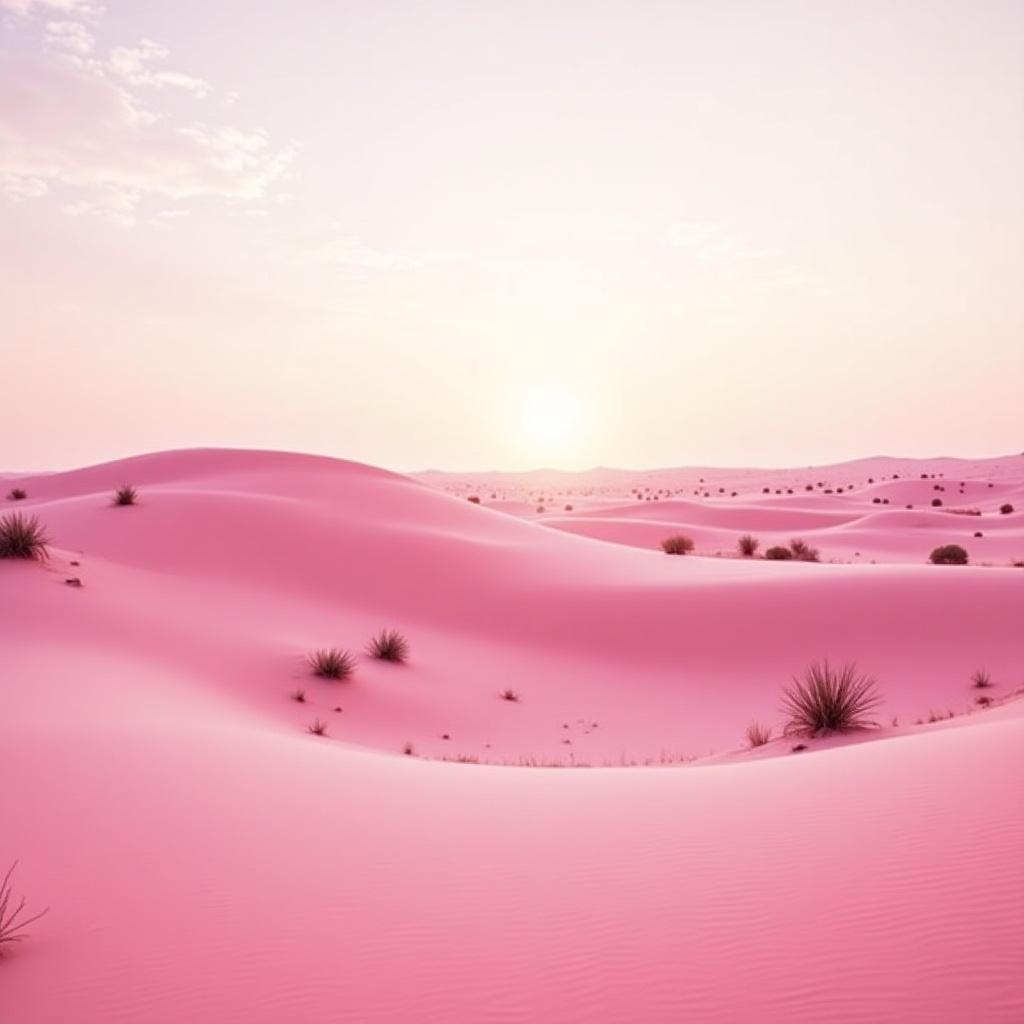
x,y
89,131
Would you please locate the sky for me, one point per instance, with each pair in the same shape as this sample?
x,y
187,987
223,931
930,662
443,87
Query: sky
x,y
500,235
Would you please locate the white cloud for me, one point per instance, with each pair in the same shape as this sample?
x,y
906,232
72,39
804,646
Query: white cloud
x,y
70,36
135,65
82,8
74,127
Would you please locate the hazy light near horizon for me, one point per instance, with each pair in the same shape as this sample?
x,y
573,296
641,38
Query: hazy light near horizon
x,y
723,232
552,421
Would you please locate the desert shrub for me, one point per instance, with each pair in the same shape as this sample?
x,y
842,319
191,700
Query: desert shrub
x,y
389,645
829,700
936,503
778,553
1006,509
474,499
12,921
317,728
568,508
511,695
17,494
332,663
299,696
126,495
22,537
758,735
680,544
748,545
803,552
949,554
408,749
980,679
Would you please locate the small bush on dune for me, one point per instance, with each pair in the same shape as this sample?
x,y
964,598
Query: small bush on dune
x,y
936,502
126,495
748,545
829,700
778,553
678,545
317,728
332,663
803,552
758,735
12,923
474,499
389,645
17,494
511,695
981,679
22,537
1006,509
949,554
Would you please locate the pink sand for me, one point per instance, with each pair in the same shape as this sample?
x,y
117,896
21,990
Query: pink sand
x,y
207,860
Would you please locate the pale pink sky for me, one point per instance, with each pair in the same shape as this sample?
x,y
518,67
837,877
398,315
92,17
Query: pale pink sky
x,y
505,234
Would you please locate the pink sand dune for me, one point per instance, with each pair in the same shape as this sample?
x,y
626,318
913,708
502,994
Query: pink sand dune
x,y
206,859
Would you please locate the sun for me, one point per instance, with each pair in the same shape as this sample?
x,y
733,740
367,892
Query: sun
x,y
551,418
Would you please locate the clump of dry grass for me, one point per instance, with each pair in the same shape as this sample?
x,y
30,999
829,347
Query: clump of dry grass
x,y
829,700
511,695
758,735
981,679
748,545
17,494
317,728
22,537
389,645
332,663
677,545
12,921
126,495
803,552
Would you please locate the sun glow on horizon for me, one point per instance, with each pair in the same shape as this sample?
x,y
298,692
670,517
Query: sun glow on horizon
x,y
551,420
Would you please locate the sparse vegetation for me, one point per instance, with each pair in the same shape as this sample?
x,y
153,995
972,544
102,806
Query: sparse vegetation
x,y
829,700
22,537
389,645
936,502
981,679
680,544
949,554
778,553
17,494
299,696
803,552
758,735
408,750
474,499
1006,509
511,695
126,495
317,728
12,921
332,663
748,545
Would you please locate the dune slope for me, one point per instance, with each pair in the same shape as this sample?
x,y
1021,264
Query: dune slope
x,y
207,859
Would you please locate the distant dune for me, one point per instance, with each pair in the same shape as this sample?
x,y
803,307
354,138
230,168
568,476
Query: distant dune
x,y
207,859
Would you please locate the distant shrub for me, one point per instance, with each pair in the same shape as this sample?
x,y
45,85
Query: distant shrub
x,y
332,663
949,554
299,696
568,508
317,728
748,545
126,495
829,700
778,553
540,508
389,645
936,503
803,552
978,533
12,923
408,750
680,544
510,695
474,499
1006,509
980,679
22,537
758,735
17,494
